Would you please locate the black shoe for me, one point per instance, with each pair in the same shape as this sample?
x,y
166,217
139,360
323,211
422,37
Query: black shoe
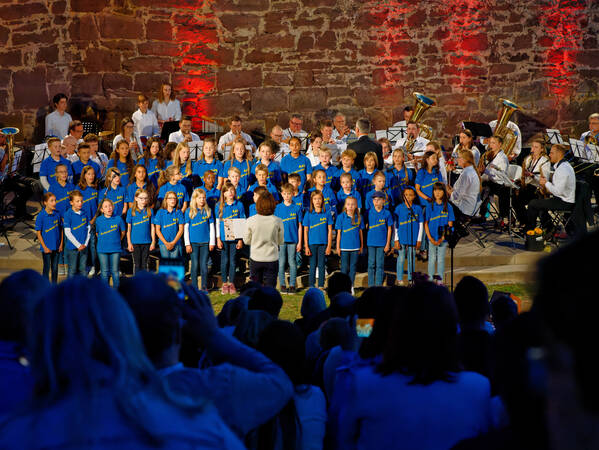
x,y
291,290
283,290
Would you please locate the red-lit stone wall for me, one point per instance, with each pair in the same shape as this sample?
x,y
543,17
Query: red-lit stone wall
x,y
263,59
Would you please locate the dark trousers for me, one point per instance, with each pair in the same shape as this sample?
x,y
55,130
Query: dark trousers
x,y
349,261
264,273
503,194
522,199
317,260
141,254
539,207
50,261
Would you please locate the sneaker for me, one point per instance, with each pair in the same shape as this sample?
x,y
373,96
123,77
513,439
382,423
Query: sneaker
x,y
232,289
91,272
424,256
62,270
284,290
225,288
291,290
400,283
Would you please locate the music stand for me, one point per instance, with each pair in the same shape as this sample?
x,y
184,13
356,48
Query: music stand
x,y
195,149
478,129
554,136
168,128
40,153
509,183
395,134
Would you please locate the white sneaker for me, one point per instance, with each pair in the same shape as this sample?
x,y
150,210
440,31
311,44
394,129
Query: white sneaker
x,y
92,272
62,270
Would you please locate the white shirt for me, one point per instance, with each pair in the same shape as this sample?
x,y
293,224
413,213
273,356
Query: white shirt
x,y
283,151
178,137
590,153
71,237
541,165
335,135
401,123
57,125
72,158
145,124
102,160
163,111
419,145
134,154
301,135
230,137
563,184
475,152
314,160
512,126
465,195
499,164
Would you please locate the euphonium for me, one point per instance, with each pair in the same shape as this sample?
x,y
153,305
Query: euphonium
x,y
10,133
422,104
509,137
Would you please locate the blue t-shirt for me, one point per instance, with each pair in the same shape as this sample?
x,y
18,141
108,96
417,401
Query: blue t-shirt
x,y
49,225
300,165
169,222
62,196
274,172
152,169
318,226
330,199
426,180
212,196
109,233
117,196
365,182
48,167
291,216
378,221
298,200
78,224
396,182
78,167
245,168
90,202
178,189
123,170
341,196
141,226
252,210
332,175
438,219
408,224
233,211
368,203
355,176
199,226
131,190
200,167
350,230
271,188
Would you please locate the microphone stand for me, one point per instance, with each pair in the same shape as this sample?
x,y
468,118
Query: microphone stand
x,y
411,254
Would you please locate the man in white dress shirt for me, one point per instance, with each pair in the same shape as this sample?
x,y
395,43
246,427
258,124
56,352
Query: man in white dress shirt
x,y
144,120
295,130
342,132
512,126
57,122
419,147
562,188
276,134
335,146
225,143
408,111
184,134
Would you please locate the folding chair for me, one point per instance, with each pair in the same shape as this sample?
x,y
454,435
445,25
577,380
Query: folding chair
x,y
7,215
577,217
466,221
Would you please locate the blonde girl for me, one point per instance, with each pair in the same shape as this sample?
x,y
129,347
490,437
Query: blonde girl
x,y
199,235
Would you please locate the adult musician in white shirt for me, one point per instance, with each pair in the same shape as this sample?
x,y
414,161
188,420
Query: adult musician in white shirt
x,y
465,194
593,127
342,132
144,120
295,130
562,189
326,129
282,149
419,147
68,147
57,122
184,134
512,126
493,170
166,107
225,143
76,131
128,134
408,111
534,166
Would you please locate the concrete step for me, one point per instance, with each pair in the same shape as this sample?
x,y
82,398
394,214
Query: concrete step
x,y
505,274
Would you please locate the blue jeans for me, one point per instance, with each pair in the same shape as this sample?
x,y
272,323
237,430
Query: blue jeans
x,y
109,265
376,263
92,251
50,261
199,255
349,261
287,255
227,261
409,252
76,261
175,253
436,256
317,260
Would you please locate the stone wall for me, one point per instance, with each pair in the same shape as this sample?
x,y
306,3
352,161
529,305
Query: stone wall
x,y
263,59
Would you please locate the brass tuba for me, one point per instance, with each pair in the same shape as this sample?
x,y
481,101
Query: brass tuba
x,y
10,133
422,104
509,137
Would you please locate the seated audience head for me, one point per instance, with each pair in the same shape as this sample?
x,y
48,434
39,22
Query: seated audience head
x,y
472,301
503,311
336,332
248,288
232,310
338,282
250,325
283,343
266,299
423,339
313,303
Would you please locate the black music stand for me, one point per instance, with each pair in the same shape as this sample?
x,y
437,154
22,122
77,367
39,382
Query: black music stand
x,y
168,128
478,129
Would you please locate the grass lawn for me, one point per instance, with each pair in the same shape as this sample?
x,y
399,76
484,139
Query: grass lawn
x,y
292,303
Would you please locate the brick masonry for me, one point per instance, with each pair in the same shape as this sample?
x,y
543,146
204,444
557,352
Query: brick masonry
x,y
263,59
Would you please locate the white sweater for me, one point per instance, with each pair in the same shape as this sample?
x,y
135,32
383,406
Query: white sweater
x,y
264,234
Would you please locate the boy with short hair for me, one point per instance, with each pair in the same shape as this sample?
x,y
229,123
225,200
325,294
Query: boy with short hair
x,y
379,181
295,181
347,189
291,215
145,122
48,166
84,160
332,172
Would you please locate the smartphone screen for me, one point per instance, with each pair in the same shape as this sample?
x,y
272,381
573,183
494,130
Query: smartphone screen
x,y
173,271
364,327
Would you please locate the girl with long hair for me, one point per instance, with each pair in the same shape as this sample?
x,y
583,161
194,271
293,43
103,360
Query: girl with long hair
x,y
199,236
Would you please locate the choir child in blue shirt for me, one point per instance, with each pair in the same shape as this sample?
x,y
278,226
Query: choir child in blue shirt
x,y
256,193
209,162
153,160
170,181
409,219
426,177
89,189
49,234
273,168
77,233
380,181
332,172
234,177
114,192
378,238
61,188
298,197
209,186
240,159
110,230
398,177
366,175
318,237
141,233
350,241
182,161
169,222
347,190
228,208
319,178
347,166
295,162
140,181
48,166
291,215
199,236
84,153
121,159
261,174
439,218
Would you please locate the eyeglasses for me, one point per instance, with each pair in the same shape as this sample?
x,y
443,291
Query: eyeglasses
x,y
142,198
296,122
128,126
